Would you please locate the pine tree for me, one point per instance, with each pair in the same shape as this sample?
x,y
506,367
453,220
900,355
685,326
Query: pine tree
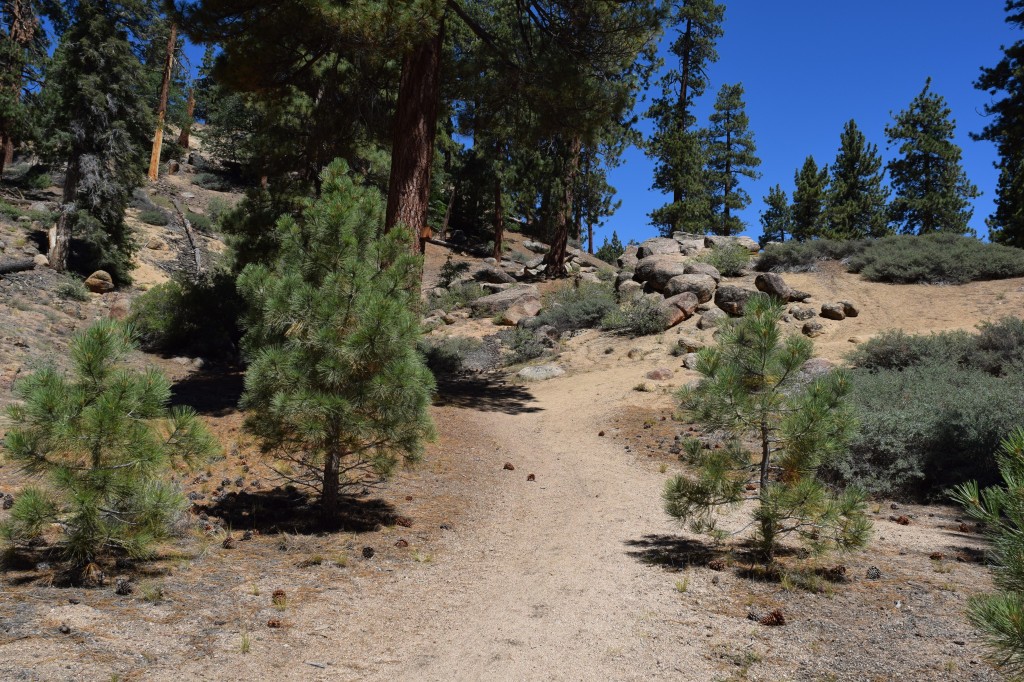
x,y
676,144
855,205
335,385
1000,616
1006,130
751,389
932,192
777,218
809,200
105,441
731,156
610,250
101,129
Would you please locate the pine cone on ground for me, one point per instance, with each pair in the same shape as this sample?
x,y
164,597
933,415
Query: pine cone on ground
x,y
773,618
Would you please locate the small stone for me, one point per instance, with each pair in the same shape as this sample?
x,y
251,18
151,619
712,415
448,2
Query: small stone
x,y
40,260
849,309
447,526
74,601
531,477
833,311
156,244
600,434
509,466
99,282
64,629
813,329
894,506
660,374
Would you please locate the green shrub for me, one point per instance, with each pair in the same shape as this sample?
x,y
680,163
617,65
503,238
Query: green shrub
x,y
794,256
731,260
74,290
211,182
447,355
579,306
200,222
936,258
217,207
181,316
457,296
451,271
12,211
154,216
640,317
523,345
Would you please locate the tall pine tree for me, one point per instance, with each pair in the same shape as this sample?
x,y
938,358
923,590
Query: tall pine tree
x,y
777,218
932,192
809,200
1006,130
676,144
100,128
731,156
856,198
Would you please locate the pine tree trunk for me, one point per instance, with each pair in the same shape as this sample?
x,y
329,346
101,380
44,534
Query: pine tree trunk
x,y
184,140
590,238
412,151
447,215
8,152
161,112
555,259
330,497
768,522
22,31
60,234
728,178
499,219
684,82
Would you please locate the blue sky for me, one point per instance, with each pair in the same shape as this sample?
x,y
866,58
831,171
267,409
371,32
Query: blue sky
x,y
808,66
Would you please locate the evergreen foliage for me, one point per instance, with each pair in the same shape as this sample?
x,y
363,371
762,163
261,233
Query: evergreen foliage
x,y
731,156
1006,225
809,200
335,386
856,200
931,189
611,250
105,441
1000,615
101,127
777,218
752,388
676,145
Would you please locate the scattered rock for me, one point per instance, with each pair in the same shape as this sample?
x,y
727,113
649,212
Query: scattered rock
x,y
801,313
156,244
64,629
701,286
658,246
690,361
797,295
732,299
509,466
678,308
522,309
119,308
600,434
503,300
447,526
704,269
628,260
849,309
40,260
540,372
489,273
531,477
660,374
536,247
813,329
773,285
630,291
833,311
99,282
711,319
655,271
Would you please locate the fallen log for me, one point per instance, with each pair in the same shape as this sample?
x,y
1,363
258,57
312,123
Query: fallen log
x,y
8,267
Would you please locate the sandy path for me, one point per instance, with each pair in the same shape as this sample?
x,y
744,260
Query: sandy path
x,y
543,586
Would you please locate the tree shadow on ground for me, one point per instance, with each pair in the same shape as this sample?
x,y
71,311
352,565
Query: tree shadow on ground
x,y
673,552
287,510
213,392
483,393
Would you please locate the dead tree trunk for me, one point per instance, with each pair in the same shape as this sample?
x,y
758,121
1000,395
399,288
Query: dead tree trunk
x,y
184,139
555,259
499,219
412,150
161,111
60,234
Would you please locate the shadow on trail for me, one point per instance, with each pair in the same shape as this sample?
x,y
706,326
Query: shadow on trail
x,y
673,552
211,392
287,510
486,394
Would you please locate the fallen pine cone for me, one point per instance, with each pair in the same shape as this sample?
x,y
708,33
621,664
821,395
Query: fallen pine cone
x,y
902,520
368,552
835,574
716,565
402,542
123,586
408,498
937,556
600,434
274,623
278,598
531,477
751,486
773,619
403,521
509,466
229,543
964,528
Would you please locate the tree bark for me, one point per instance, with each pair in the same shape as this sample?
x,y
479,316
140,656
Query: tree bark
x,y
22,32
412,151
590,238
684,83
330,493
161,111
499,219
60,235
555,259
16,266
184,139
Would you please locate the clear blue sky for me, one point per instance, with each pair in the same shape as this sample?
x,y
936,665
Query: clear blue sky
x,y
808,66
